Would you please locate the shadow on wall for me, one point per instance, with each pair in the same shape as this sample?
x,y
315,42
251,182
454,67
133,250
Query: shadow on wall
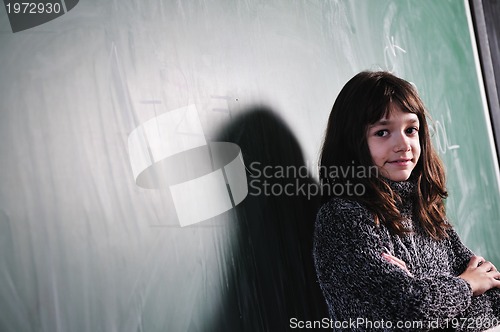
x,y
271,276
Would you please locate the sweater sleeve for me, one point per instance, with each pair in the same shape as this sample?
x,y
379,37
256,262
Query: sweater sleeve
x,y
460,255
489,302
349,262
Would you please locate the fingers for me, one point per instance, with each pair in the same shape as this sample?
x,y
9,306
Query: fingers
x,y
482,265
481,275
396,261
475,261
393,260
492,271
496,278
495,275
487,267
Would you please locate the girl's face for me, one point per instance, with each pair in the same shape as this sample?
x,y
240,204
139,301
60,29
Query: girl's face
x,y
394,144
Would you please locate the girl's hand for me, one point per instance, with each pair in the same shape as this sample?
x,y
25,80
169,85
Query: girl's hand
x,y
396,261
481,275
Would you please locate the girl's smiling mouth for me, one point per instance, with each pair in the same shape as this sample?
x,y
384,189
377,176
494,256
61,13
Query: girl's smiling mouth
x,y
400,162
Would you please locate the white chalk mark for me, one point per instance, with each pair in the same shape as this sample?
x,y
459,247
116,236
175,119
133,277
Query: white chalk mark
x,y
220,104
441,138
393,47
391,51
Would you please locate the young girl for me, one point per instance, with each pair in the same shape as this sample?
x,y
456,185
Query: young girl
x,y
386,256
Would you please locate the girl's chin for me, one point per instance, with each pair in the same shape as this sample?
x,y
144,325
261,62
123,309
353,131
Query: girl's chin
x,y
397,176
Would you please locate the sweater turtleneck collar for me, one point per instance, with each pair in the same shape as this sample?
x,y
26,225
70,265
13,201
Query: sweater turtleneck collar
x,y
405,189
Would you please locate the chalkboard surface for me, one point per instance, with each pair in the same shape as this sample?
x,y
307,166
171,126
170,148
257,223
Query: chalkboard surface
x,y
83,247
487,31
442,66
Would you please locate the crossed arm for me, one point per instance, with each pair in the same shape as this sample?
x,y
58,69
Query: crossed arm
x,y
347,241
349,252
480,274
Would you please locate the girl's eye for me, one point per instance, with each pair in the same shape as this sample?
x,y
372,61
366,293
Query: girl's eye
x,y
412,130
382,133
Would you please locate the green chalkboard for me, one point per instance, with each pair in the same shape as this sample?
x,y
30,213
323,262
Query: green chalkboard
x,y
83,247
430,45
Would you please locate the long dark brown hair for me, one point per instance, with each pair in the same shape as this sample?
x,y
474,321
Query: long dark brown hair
x,y
365,99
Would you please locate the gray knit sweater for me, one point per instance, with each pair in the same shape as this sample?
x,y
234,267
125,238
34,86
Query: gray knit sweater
x,y
365,292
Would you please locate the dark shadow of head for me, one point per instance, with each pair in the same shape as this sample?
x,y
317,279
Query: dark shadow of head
x,y
272,277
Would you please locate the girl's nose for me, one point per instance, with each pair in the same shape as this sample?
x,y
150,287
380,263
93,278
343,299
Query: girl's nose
x,y
402,143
